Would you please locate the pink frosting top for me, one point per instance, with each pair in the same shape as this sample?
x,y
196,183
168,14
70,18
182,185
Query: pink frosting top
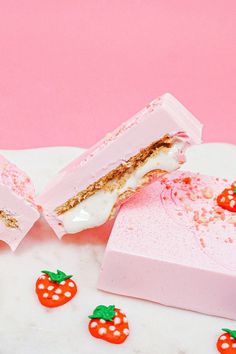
x,y
164,115
177,219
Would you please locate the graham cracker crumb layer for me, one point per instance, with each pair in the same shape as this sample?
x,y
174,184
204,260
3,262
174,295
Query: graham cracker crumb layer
x,y
8,220
117,177
150,176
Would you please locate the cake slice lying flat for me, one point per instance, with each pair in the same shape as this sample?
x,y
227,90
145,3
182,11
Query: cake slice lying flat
x,y
173,244
88,191
18,211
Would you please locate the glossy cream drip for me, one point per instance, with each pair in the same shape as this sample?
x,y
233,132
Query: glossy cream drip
x,y
95,210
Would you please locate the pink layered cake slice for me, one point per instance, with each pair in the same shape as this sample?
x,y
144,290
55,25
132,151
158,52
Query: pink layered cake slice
x,y
87,192
175,243
18,211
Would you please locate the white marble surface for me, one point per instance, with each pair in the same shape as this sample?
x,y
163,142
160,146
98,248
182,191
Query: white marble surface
x,y
28,328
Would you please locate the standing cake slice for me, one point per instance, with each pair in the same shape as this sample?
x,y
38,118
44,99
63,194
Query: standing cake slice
x,y
88,191
18,211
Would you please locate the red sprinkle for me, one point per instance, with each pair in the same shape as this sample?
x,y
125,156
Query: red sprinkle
x,y
187,180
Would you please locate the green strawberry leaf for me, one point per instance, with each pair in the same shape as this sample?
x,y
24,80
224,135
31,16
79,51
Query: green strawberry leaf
x,y
234,190
104,312
57,277
230,331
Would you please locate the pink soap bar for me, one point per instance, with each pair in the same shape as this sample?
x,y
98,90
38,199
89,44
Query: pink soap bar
x,y
164,116
18,211
174,245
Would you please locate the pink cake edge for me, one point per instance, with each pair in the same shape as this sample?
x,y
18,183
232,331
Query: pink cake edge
x,y
105,142
116,279
17,180
29,216
18,185
163,101
57,225
27,229
47,198
161,297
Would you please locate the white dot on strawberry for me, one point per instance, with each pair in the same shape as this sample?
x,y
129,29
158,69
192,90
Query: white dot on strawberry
x,y
225,346
58,291
67,294
234,345
126,331
222,337
41,286
50,287
117,320
112,328
45,295
117,333
55,297
102,321
125,319
102,331
62,282
93,324
71,284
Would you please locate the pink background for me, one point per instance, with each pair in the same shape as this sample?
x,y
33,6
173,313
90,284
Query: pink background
x,y
72,70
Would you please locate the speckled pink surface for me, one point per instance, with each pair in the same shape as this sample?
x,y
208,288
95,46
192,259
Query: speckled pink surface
x,y
17,198
172,244
165,115
16,179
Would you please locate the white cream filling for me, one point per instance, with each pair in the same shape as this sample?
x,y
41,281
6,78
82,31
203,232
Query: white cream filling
x,y
91,212
95,210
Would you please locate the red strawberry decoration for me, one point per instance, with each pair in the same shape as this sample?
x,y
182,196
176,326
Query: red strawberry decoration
x,y
55,289
226,343
227,199
109,323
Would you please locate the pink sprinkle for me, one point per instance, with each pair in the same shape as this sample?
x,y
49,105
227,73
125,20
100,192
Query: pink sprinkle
x,y
196,216
222,217
202,243
218,210
176,180
232,221
207,193
192,196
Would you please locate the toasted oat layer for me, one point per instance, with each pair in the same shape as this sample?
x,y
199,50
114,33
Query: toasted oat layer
x,y
117,177
8,220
